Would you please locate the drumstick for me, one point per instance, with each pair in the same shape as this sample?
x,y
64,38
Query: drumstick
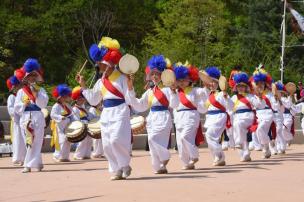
x,y
92,79
84,64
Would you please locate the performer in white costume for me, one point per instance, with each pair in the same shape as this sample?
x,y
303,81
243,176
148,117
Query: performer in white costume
x,y
81,113
159,122
217,118
266,130
29,102
245,120
115,116
95,111
61,115
187,115
17,138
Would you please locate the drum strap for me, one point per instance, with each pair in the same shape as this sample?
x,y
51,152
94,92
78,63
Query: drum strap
x,y
55,138
244,100
108,86
218,105
27,90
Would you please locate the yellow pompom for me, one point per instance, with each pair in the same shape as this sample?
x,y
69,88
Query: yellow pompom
x,y
108,42
187,64
179,64
169,64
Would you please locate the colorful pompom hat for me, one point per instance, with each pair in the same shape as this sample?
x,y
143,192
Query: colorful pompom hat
x,y
186,71
61,90
106,52
12,82
30,66
76,93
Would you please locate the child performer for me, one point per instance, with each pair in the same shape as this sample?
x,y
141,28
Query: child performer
x,y
159,121
61,115
187,118
29,102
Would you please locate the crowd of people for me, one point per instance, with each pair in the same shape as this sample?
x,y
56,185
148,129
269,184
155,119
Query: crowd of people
x,y
257,115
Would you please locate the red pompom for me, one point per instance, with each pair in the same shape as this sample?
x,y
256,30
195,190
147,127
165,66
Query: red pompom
x,y
112,56
193,73
9,84
19,73
76,93
268,79
55,93
147,70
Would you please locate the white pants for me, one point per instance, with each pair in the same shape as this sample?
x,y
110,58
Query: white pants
x,y
185,137
262,131
84,148
19,147
287,128
97,147
158,140
213,136
116,137
33,157
240,130
65,146
280,140
255,144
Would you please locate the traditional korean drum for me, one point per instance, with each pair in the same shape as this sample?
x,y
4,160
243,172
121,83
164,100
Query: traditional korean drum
x,y
94,129
138,124
76,131
168,77
128,64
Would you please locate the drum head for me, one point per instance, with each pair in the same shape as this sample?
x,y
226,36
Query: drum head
x,y
74,128
204,77
168,77
223,83
291,88
128,64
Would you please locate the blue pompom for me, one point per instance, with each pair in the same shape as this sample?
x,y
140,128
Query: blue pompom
x,y
157,62
279,85
213,72
259,77
14,80
63,90
181,72
96,53
241,77
30,65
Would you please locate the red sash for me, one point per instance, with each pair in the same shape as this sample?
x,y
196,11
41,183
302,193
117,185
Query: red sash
x,y
244,100
272,126
218,105
110,87
29,93
66,108
160,96
184,100
199,138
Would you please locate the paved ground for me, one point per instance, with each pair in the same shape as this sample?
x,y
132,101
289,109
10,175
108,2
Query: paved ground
x,y
280,178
